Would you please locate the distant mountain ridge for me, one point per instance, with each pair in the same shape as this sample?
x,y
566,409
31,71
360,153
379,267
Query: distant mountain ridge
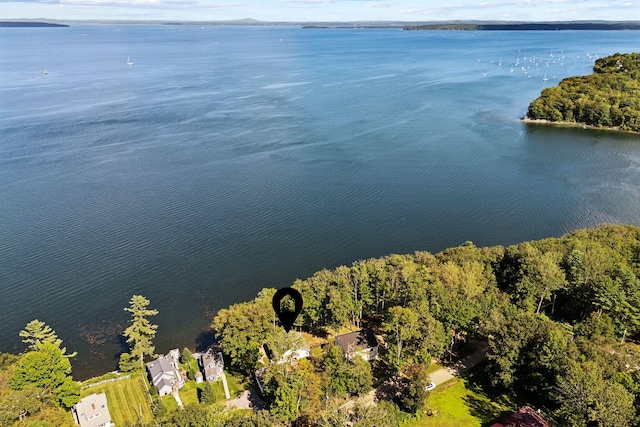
x,y
530,26
425,25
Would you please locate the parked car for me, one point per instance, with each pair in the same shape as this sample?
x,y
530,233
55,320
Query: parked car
x,y
430,386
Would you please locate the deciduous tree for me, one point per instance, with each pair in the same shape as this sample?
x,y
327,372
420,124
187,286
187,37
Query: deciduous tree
x,y
49,370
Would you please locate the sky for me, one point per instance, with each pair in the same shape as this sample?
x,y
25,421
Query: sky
x,y
325,10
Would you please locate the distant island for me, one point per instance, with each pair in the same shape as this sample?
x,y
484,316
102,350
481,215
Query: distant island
x,y
399,25
608,98
528,26
28,24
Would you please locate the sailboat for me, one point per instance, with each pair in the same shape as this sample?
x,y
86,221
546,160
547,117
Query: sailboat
x,y
129,61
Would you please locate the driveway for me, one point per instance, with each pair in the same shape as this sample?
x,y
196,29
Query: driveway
x,y
249,399
445,374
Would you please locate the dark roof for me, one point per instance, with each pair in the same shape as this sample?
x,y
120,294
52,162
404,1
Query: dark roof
x,y
211,357
363,339
525,417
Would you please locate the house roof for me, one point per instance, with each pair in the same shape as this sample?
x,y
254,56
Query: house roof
x,y
214,371
525,417
363,339
92,411
159,367
212,357
163,383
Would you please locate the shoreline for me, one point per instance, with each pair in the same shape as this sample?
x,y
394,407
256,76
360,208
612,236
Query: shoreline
x,y
529,120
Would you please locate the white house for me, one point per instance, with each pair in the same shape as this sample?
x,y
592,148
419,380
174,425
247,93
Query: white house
x,y
361,343
293,355
164,372
212,364
92,411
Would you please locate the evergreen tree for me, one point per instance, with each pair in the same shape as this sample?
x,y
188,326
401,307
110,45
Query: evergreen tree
x,y
207,395
139,334
159,409
37,333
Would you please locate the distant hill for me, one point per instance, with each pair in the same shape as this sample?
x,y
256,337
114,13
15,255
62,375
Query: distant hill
x,y
425,25
26,24
528,26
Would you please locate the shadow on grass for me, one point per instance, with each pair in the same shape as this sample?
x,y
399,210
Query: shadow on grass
x,y
498,405
479,380
487,412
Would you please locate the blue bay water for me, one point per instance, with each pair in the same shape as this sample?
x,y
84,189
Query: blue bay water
x,y
228,159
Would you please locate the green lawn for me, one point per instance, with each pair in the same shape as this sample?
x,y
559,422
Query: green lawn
x,y
126,399
236,384
455,405
189,393
169,402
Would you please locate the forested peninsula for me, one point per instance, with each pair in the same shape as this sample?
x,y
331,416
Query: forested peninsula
x,y
556,322
608,98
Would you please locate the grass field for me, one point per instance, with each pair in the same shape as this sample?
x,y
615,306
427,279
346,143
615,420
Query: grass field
x,y
236,384
189,393
169,402
455,405
126,399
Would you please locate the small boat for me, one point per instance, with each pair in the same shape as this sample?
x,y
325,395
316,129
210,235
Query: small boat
x,y
45,72
129,61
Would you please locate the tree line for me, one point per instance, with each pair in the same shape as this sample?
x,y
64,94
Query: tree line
x,y
37,387
556,316
610,97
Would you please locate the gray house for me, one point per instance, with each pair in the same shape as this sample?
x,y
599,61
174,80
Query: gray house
x,y
361,343
164,373
92,411
212,364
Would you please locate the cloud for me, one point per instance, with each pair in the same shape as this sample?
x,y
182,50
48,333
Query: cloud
x,y
379,4
153,4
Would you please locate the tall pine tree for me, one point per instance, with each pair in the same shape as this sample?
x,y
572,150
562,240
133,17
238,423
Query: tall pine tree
x,y
139,334
38,333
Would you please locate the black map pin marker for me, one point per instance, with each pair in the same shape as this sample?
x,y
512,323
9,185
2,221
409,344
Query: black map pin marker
x,y
287,317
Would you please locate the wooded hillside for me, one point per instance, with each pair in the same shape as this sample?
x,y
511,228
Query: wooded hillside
x,y
609,98
555,315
